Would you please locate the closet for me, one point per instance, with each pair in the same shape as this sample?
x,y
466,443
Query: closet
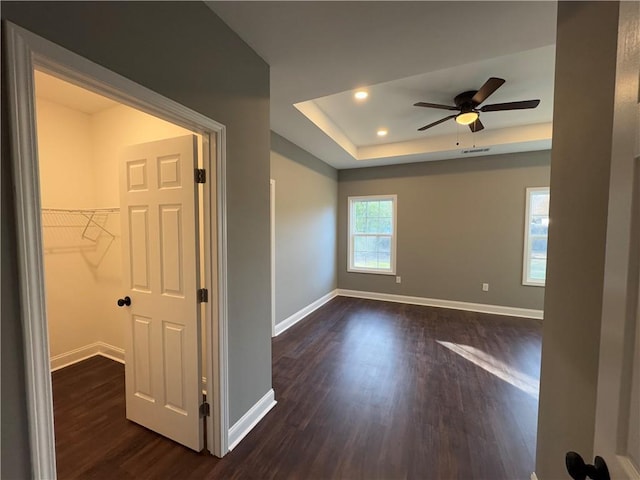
x,y
80,136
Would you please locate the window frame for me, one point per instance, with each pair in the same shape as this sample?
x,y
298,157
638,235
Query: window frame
x,y
526,257
351,234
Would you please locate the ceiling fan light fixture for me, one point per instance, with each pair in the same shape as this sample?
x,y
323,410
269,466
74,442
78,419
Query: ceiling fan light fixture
x,y
467,118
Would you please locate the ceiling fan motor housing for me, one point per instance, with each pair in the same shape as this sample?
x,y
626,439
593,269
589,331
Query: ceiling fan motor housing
x,y
464,101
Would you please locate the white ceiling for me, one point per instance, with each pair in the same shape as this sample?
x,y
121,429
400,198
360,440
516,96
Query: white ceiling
x,y
63,93
401,52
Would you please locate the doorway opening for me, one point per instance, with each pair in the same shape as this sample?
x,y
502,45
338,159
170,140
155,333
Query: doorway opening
x,y
88,246
86,205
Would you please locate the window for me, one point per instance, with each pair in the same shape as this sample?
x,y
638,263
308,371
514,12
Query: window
x,y
535,236
372,234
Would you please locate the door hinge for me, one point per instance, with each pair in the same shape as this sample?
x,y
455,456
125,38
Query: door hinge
x,y
203,295
201,175
205,409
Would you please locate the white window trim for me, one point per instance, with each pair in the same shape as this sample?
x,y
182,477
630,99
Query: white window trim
x,y
394,234
527,240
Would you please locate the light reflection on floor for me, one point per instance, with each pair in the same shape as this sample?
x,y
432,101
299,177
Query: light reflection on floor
x,y
494,366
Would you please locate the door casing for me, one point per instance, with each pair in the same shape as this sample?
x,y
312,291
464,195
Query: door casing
x,y
24,52
272,217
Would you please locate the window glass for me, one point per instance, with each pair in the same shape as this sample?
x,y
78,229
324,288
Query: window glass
x,y
372,234
536,232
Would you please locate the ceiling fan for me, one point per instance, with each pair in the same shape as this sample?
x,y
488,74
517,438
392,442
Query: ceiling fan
x,y
467,105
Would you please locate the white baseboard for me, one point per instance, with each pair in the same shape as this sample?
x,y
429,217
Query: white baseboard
x,y
97,348
432,302
300,314
242,427
111,352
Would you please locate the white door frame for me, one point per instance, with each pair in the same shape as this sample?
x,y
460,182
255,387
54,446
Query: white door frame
x,y
272,212
25,51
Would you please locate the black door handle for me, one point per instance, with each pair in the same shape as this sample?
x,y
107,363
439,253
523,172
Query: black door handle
x,y
580,470
124,301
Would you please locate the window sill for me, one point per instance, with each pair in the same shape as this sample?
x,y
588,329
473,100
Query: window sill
x,y
375,272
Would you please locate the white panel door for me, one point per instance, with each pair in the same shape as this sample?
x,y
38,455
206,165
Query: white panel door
x,y
617,425
160,253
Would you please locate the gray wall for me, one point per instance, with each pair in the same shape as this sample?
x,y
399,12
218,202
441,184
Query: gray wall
x,y
580,172
306,209
185,52
460,224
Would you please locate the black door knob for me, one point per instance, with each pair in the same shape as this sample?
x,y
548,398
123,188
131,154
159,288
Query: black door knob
x,y
579,470
124,301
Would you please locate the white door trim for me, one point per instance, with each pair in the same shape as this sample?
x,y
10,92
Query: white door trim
x,y
272,196
25,51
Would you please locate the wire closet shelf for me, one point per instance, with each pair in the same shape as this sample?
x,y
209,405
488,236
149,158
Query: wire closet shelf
x,y
92,222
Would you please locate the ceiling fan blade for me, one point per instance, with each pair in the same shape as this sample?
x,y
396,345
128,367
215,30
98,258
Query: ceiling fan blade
x,y
487,89
496,107
476,126
437,123
435,105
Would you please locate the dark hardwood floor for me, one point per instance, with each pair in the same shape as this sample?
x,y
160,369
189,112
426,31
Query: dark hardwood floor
x,y
365,390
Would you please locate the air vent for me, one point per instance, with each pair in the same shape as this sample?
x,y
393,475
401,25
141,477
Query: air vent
x,y
476,150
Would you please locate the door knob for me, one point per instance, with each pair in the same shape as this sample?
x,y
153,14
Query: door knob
x,y
124,301
580,470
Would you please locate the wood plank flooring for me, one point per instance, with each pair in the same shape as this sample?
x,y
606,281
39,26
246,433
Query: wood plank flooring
x,y
365,390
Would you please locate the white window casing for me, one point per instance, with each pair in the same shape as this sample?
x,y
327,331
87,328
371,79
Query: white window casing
x,y
535,236
372,226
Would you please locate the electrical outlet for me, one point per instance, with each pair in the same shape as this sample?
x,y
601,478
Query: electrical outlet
x,y
398,279
485,287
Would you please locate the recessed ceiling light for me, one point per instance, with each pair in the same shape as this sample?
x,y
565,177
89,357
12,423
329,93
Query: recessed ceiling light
x,y
382,132
361,95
